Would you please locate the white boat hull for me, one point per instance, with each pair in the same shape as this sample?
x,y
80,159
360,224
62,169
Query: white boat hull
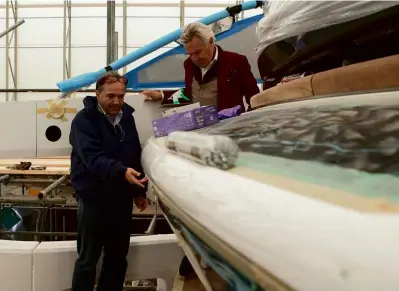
x,y
280,231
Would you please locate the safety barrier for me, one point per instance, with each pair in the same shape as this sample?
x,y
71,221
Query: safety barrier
x,y
48,266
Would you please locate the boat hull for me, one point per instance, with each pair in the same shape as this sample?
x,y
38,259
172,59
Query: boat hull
x,y
279,227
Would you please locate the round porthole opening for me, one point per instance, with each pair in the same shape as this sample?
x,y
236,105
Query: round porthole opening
x,y
53,133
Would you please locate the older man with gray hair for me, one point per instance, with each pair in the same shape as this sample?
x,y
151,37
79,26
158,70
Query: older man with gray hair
x,y
212,76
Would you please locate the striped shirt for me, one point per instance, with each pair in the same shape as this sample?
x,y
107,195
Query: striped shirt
x,y
114,121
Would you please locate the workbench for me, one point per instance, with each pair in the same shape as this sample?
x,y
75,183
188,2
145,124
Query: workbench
x,y
54,166
55,174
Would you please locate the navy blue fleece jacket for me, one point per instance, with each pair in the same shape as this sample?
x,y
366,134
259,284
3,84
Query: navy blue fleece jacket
x,y
101,152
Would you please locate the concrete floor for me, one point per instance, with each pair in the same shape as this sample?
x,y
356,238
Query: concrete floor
x,y
183,284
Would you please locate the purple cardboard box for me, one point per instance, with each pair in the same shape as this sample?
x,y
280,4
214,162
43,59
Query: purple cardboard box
x,y
185,121
206,116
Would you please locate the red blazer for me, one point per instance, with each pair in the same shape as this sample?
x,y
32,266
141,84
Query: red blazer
x,y
234,80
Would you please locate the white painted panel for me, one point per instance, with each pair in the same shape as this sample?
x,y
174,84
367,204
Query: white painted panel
x,y
18,129
29,96
16,263
144,114
156,256
53,265
60,147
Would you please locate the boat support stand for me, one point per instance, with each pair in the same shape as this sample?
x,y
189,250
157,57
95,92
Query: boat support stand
x,y
188,251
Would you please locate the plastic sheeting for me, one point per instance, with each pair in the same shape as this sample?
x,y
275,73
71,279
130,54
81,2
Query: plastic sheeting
x,y
283,19
359,137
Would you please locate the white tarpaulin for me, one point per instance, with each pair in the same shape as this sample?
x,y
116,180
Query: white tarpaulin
x,y
283,19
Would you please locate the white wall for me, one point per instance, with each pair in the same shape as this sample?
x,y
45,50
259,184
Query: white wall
x,y
40,39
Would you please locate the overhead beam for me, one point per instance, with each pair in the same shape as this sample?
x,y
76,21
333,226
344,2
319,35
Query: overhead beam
x,y
110,32
11,66
12,27
7,52
67,40
124,31
182,12
138,4
15,73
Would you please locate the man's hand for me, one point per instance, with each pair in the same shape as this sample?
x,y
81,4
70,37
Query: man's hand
x,y
152,95
130,176
141,203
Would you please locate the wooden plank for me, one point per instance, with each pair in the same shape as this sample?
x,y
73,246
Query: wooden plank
x,y
54,166
52,172
35,162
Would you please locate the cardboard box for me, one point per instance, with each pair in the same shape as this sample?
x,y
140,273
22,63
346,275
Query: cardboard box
x,y
206,116
180,109
185,121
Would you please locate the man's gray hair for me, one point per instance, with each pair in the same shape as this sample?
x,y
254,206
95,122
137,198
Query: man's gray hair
x,y
198,29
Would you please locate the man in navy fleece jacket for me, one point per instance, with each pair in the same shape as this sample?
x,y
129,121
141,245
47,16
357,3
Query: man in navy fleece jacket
x,y
107,176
